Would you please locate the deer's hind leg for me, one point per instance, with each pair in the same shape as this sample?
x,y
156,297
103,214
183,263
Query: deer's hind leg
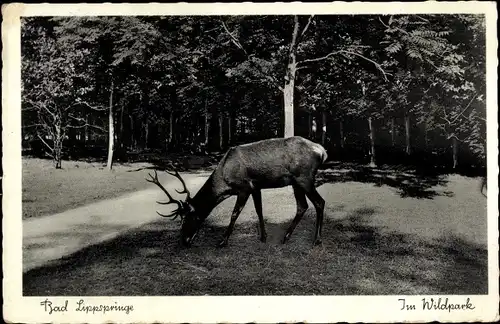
x,y
257,200
240,203
319,204
300,197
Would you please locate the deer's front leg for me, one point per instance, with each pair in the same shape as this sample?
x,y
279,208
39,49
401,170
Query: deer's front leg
x,y
257,200
240,203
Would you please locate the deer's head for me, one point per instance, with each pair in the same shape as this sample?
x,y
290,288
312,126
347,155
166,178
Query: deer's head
x,y
191,222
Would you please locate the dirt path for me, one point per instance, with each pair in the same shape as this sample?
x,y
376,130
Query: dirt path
x,y
52,237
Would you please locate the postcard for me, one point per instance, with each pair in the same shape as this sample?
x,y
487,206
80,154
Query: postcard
x,y
250,162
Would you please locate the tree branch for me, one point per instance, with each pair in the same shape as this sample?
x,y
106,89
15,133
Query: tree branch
x,y
465,109
40,107
208,31
96,108
235,41
88,125
385,25
44,123
32,125
378,66
422,19
28,108
293,43
307,25
272,80
79,119
319,58
43,141
249,58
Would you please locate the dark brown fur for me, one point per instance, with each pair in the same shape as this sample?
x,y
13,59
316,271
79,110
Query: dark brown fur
x,y
246,169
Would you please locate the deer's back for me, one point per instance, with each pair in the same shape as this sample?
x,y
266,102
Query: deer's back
x,y
271,163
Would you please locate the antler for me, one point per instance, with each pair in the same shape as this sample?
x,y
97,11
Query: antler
x,y
175,213
178,176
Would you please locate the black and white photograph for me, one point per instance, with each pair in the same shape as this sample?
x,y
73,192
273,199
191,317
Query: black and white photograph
x,y
210,152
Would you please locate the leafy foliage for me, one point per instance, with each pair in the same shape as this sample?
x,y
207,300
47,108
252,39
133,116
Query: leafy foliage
x,y
184,82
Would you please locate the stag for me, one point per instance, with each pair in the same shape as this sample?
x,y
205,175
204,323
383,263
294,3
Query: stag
x,y
245,170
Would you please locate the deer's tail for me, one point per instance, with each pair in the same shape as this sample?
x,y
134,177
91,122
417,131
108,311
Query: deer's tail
x,y
321,151
324,156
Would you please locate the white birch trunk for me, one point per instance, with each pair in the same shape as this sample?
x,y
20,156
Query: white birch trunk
x,y
372,143
111,130
289,88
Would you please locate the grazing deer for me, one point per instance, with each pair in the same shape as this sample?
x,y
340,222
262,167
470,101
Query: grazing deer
x,y
245,170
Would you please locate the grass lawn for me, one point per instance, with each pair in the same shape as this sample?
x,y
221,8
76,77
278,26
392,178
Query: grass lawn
x,y
380,237
48,191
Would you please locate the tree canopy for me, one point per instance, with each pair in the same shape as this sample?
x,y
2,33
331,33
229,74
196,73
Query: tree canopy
x,y
410,82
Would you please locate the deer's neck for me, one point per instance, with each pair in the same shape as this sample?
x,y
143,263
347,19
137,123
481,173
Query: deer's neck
x,y
209,196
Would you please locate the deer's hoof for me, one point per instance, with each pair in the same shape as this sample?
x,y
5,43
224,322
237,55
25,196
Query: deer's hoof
x,y
263,238
285,239
317,242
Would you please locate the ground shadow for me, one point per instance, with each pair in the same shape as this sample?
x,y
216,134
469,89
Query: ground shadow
x,y
355,259
409,182
51,242
80,232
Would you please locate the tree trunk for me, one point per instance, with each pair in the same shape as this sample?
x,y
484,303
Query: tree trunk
x,y
71,143
57,147
407,133
221,130
132,128
170,129
341,128
289,89
229,130
81,137
426,138
120,136
86,135
288,104
58,161
309,125
57,155
207,124
323,128
146,134
393,134
314,128
454,144
243,123
83,133
372,143
111,135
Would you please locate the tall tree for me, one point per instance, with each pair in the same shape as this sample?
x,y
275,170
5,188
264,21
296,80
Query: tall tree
x,y
119,41
296,52
54,87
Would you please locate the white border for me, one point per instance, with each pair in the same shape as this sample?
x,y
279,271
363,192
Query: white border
x,y
229,309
